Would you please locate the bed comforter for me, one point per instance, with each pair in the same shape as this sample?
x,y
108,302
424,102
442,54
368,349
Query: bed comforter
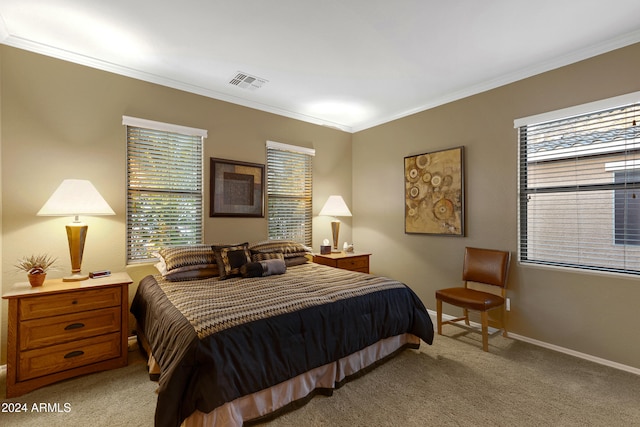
x,y
217,340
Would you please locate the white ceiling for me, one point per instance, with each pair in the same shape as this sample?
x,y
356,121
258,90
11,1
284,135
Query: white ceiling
x,y
350,64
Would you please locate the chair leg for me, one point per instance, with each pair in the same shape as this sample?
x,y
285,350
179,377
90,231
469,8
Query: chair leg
x,y
466,315
485,330
504,322
439,315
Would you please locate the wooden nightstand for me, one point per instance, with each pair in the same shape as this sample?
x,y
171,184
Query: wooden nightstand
x,y
65,329
345,260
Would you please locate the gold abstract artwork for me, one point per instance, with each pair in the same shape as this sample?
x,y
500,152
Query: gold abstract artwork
x,y
434,192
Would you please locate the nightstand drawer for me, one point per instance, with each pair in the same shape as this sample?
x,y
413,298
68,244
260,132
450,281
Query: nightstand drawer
x,y
60,329
48,360
353,263
346,261
68,302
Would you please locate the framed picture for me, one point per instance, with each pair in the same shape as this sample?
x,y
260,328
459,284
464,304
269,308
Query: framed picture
x,y
434,193
236,189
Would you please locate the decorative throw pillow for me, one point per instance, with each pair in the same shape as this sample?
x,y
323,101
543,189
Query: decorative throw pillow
x,y
263,268
230,258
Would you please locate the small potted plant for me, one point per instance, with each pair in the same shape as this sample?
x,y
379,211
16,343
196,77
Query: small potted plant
x,y
36,267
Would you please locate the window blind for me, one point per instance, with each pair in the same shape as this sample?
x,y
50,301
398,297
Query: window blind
x,y
579,187
289,192
164,190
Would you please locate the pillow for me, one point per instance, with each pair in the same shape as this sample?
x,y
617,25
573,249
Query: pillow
x,y
289,248
266,255
297,260
174,262
160,265
201,273
263,268
230,258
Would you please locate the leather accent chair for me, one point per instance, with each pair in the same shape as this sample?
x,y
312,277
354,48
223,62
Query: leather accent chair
x,y
484,266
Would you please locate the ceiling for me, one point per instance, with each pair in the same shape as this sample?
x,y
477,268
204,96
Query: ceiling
x,y
348,64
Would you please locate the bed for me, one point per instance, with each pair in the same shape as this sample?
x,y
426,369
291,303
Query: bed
x,y
233,347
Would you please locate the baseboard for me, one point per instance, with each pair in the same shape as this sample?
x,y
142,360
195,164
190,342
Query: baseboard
x,y
557,348
568,351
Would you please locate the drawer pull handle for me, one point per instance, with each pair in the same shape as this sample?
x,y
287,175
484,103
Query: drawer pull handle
x,y
74,326
74,354
75,301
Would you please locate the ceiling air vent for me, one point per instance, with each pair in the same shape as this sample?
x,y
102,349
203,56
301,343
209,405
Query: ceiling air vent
x,y
247,81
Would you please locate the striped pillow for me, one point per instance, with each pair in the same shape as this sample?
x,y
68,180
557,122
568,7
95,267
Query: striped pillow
x,y
288,248
260,256
187,262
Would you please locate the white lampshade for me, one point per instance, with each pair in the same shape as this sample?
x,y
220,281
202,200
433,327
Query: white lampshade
x,y
75,197
335,206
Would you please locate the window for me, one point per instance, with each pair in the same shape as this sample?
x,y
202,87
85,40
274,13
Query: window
x,y
164,186
579,189
627,208
289,191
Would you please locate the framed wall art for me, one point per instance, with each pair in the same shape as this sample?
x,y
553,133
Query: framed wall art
x,y
236,189
434,193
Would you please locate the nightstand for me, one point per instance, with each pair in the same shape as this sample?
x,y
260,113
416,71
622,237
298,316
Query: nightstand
x,y
345,260
65,329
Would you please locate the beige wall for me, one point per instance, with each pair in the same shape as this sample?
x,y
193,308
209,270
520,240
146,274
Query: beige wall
x,y
62,120
59,120
589,313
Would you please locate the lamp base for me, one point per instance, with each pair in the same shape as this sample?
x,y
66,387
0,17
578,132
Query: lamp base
x,y
76,277
76,234
335,229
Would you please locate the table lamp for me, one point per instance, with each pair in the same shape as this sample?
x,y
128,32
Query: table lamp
x,y
76,197
335,206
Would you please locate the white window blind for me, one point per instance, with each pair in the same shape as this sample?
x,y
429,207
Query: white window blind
x,y
164,187
289,192
579,190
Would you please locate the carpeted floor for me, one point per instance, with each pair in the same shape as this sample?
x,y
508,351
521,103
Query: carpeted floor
x,y
452,383
120,397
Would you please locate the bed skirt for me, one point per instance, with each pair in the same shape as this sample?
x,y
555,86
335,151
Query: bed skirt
x,y
293,393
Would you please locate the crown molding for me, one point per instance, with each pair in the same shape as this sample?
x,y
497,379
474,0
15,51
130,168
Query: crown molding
x,y
542,67
573,57
65,55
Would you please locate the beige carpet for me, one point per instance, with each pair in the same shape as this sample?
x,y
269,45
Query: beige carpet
x,y
452,383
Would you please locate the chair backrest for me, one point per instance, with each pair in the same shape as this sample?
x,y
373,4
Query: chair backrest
x,y
486,266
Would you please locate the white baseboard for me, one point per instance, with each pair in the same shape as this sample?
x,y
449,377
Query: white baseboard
x,y
557,348
585,356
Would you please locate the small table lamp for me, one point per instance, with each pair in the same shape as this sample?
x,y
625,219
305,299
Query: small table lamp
x,y
335,206
76,197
